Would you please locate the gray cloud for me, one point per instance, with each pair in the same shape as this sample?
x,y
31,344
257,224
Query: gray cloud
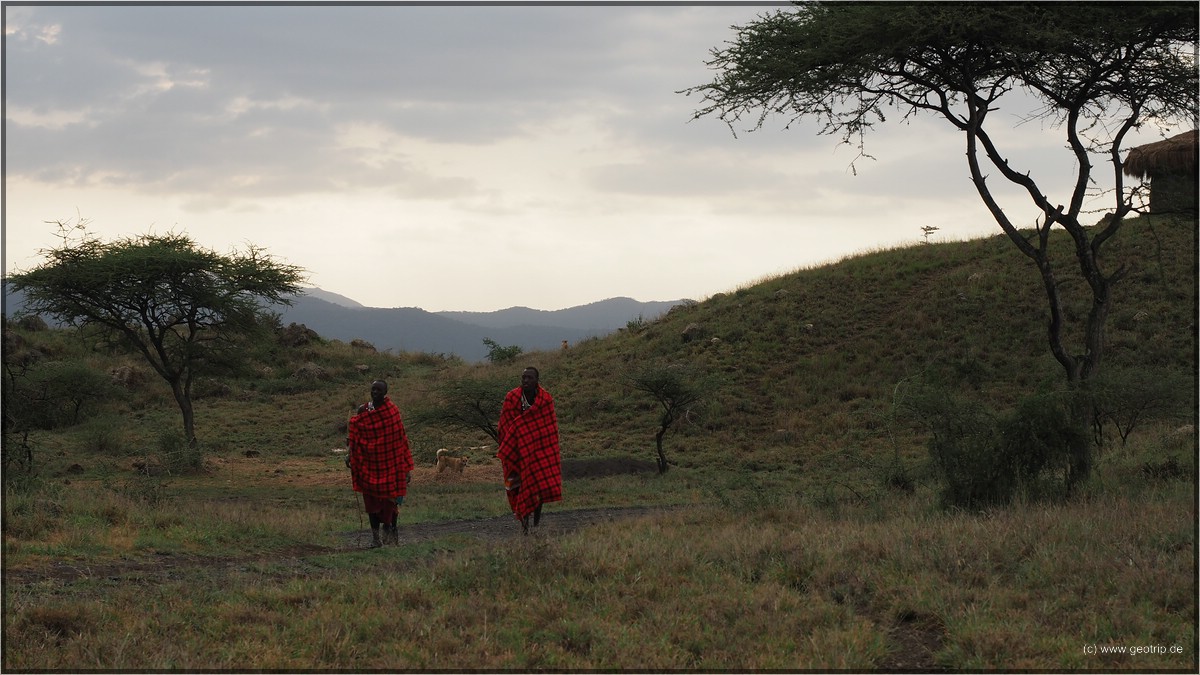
x,y
244,99
556,129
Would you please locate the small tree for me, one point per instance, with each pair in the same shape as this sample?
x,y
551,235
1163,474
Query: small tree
x,y
16,450
55,394
466,403
1128,397
501,355
181,306
673,389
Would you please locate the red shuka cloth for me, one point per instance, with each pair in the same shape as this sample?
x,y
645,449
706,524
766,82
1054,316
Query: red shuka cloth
x,y
380,459
529,447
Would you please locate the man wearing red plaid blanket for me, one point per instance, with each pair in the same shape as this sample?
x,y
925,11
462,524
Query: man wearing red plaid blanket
x,y
529,453
380,461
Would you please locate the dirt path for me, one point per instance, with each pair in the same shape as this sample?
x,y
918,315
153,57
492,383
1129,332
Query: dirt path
x,y
554,522
499,528
505,527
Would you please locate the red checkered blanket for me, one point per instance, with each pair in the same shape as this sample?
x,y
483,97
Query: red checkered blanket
x,y
380,459
529,447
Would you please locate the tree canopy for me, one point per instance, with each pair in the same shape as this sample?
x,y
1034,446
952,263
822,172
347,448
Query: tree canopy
x,y
178,304
846,64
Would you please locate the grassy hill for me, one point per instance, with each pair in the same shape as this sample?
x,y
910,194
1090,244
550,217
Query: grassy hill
x,y
807,534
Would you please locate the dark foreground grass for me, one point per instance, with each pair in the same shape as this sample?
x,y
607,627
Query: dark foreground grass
x,y
771,581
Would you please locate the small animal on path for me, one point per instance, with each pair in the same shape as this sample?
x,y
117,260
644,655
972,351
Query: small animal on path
x,y
444,460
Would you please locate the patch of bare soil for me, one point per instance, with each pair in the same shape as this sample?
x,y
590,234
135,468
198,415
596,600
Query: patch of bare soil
x,y
918,638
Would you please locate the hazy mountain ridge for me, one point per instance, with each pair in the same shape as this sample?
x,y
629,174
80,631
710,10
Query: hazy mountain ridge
x,y
329,296
462,333
606,315
413,329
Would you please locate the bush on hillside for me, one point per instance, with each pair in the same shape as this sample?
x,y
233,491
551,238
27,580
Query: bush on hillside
x,y
55,394
676,389
501,355
177,454
1035,442
16,456
1126,398
985,459
961,448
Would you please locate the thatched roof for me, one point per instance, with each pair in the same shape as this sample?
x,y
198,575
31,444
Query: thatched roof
x,y
1173,155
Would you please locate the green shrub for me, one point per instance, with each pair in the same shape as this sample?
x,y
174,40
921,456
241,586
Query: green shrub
x,y
178,455
103,436
963,450
501,355
1034,445
16,456
55,394
18,470
985,459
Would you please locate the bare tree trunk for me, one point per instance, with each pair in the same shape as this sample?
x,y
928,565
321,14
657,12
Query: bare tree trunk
x,y
1081,448
662,458
184,399
1079,368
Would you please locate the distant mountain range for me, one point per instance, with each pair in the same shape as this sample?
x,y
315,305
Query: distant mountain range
x,y
413,329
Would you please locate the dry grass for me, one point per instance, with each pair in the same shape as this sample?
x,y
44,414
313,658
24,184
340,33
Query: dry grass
x,y
787,587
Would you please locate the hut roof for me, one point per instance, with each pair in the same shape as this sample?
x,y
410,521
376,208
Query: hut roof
x,y
1173,155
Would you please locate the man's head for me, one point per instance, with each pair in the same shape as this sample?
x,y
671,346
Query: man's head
x,y
378,392
529,380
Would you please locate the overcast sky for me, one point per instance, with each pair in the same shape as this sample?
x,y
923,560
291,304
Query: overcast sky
x,y
455,158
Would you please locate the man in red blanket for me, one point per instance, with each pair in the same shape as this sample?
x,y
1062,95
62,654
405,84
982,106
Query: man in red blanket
x,y
529,452
380,461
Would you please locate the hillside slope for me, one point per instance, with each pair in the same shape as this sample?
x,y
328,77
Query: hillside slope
x,y
804,365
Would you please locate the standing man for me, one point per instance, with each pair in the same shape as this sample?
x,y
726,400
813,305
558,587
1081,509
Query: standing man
x,y
529,452
380,461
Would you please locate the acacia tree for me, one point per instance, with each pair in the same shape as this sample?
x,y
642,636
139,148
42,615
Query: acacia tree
x,y
181,306
674,390
1097,71
469,404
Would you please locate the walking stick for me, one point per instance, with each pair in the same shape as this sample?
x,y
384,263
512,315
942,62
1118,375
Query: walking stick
x,y
359,500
